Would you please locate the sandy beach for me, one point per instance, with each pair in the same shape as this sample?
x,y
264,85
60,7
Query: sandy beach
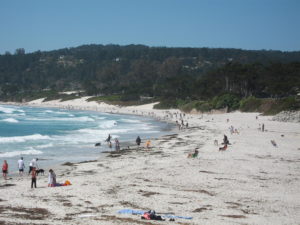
x,y
251,182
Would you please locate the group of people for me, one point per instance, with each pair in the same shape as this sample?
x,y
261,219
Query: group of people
x,y
138,141
262,127
233,130
21,167
181,124
117,143
51,178
33,171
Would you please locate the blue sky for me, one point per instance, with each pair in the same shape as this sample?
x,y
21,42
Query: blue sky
x,y
247,24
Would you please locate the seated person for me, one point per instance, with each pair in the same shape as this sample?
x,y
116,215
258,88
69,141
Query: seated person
x,y
225,140
151,215
194,154
51,179
223,148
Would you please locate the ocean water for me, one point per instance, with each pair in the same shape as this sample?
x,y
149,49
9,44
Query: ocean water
x,y
55,135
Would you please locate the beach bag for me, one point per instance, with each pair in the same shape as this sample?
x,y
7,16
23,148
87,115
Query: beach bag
x,y
67,182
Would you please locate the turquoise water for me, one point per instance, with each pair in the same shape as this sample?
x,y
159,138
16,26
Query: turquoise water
x,y
56,135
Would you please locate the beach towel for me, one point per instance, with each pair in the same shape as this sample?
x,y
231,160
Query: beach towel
x,y
178,217
141,212
131,211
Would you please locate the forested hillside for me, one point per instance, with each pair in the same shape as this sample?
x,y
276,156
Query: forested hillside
x,y
136,70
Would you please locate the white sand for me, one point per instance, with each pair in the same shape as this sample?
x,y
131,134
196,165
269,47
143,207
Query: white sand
x,y
252,182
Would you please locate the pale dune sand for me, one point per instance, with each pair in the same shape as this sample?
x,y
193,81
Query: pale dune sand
x,y
252,182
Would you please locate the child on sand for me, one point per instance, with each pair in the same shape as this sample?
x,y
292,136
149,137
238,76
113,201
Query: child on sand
x,y
5,169
33,177
148,143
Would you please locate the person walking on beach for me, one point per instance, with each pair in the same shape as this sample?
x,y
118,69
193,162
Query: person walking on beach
x,y
33,177
33,164
138,140
5,169
21,166
263,127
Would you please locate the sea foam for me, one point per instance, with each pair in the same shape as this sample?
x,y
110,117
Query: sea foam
x,y
6,110
108,124
9,110
24,138
130,121
10,120
45,146
19,153
80,119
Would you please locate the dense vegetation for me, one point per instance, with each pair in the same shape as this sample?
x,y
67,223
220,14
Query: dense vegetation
x,y
202,78
267,106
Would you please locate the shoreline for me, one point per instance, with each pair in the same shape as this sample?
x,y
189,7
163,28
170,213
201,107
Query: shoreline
x,y
252,182
124,145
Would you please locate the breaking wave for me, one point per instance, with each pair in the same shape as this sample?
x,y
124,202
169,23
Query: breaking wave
x,y
19,153
10,120
24,138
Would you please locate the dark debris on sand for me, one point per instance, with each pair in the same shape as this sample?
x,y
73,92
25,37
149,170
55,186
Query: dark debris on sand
x,y
7,185
25,213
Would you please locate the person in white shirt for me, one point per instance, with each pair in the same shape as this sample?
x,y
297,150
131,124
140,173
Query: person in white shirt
x,y
21,166
33,164
51,179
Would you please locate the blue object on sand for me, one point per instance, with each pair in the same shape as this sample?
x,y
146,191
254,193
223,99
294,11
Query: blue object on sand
x,y
178,217
140,212
131,211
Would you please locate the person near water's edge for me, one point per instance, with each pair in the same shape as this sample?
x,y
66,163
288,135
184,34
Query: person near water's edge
x,y
33,164
5,169
148,143
117,144
108,138
138,140
21,166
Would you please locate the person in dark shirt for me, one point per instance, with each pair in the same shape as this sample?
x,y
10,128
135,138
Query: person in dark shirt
x,y
138,140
